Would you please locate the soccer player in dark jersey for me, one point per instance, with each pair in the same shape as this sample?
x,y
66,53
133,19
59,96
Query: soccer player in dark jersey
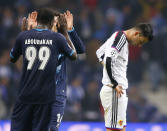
x,y
60,101
59,104
40,48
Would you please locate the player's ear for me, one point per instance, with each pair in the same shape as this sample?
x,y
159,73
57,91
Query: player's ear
x,y
136,33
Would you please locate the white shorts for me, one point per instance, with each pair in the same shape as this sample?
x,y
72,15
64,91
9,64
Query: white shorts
x,y
114,108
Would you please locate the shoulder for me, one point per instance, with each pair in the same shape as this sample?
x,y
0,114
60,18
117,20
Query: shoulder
x,y
58,36
23,33
113,36
119,40
119,37
119,34
21,36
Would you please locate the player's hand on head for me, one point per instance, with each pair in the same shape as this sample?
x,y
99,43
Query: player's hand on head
x,y
69,18
62,24
119,90
32,23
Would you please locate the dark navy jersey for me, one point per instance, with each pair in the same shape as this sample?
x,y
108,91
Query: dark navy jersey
x,y
40,49
61,68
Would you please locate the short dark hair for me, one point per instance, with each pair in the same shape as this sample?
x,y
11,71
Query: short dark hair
x,y
45,16
56,13
146,30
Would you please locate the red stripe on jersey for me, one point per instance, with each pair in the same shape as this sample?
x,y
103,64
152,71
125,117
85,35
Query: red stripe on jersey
x,y
116,34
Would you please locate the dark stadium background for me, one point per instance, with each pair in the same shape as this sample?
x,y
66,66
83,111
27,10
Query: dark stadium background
x,y
95,21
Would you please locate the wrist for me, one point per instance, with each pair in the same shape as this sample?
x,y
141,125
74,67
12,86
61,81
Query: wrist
x,y
65,34
115,85
70,29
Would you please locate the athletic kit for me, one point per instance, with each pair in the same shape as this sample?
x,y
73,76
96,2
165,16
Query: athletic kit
x,y
60,101
114,54
40,49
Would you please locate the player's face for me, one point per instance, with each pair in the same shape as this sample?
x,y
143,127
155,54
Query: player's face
x,y
139,39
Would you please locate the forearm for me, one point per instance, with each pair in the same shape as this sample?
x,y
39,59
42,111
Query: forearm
x,y
69,41
80,47
109,72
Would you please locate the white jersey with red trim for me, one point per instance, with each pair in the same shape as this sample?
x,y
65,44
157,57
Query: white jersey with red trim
x,y
116,48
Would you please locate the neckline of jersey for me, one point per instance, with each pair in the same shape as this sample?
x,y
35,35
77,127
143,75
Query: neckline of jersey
x,y
40,29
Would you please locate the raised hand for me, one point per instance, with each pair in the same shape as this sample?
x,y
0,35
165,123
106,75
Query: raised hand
x,y
31,21
62,24
69,18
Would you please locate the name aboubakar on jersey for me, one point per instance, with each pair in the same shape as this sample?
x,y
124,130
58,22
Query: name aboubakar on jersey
x,y
38,42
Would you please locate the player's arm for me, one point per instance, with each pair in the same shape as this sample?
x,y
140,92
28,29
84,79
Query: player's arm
x,y
111,58
16,51
100,53
78,43
62,28
73,56
65,48
80,48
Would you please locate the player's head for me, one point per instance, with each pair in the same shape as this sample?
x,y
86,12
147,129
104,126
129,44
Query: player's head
x,y
45,17
141,33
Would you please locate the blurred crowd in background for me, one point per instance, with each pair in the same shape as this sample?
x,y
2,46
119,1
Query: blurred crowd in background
x,y
95,21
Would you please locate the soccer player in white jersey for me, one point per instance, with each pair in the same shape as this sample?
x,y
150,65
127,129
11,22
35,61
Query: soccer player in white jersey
x,y
113,54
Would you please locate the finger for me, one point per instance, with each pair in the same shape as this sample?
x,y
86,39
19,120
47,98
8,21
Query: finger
x,y
119,95
29,16
24,19
33,15
68,12
65,16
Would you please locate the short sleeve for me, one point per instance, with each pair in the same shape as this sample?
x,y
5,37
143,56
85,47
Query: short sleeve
x,y
63,46
16,51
